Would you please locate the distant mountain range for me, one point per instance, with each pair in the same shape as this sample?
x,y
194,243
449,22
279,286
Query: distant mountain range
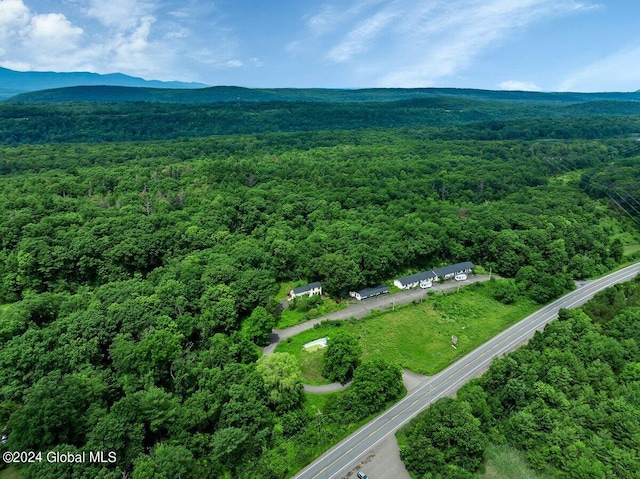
x,y
13,82
217,94
47,87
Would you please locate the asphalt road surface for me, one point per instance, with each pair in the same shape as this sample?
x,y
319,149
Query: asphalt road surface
x,y
350,454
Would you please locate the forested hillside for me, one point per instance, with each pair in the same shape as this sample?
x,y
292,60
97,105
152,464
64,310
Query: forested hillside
x,y
363,208
569,400
467,119
139,277
177,94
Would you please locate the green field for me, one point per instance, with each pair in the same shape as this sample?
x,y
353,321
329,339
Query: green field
x,y
284,289
290,317
10,473
631,248
418,336
504,462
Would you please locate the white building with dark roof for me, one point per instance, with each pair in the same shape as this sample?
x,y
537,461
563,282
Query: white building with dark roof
x,y
423,279
448,272
306,290
369,292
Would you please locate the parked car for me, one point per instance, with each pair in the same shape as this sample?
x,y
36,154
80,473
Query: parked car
x,y
461,277
362,475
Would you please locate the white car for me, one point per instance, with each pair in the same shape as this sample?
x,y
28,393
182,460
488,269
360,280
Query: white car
x,y
460,277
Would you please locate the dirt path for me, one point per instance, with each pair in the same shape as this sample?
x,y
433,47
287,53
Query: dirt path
x,y
410,380
325,388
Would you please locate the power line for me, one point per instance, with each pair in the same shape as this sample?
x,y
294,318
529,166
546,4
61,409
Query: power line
x,y
564,166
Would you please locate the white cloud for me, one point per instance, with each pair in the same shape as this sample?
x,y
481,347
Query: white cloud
x,y
14,15
35,41
178,32
181,14
449,39
121,14
617,72
361,37
217,59
332,17
53,31
418,43
125,42
518,85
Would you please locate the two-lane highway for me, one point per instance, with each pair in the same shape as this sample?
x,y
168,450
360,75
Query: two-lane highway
x,y
344,456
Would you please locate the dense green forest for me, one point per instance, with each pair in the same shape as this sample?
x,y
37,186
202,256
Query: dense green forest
x,y
468,118
348,214
570,400
140,277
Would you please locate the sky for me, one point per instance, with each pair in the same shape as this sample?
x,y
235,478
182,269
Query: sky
x,y
545,45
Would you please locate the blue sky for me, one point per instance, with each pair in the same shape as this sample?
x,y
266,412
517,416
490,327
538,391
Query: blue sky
x,y
548,45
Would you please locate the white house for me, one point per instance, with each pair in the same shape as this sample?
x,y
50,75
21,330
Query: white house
x,y
369,292
448,272
423,279
306,290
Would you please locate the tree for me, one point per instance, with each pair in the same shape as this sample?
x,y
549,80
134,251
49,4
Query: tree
x,y
69,470
281,375
337,272
376,383
505,291
477,398
617,250
165,462
260,324
341,357
445,434
218,310
57,410
252,288
120,432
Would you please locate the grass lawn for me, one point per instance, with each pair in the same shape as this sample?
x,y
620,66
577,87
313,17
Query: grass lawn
x,y
315,402
290,317
285,288
10,473
631,248
504,462
311,367
418,336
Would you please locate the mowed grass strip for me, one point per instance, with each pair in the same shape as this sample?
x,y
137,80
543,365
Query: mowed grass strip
x,y
631,248
290,317
10,473
505,462
418,336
